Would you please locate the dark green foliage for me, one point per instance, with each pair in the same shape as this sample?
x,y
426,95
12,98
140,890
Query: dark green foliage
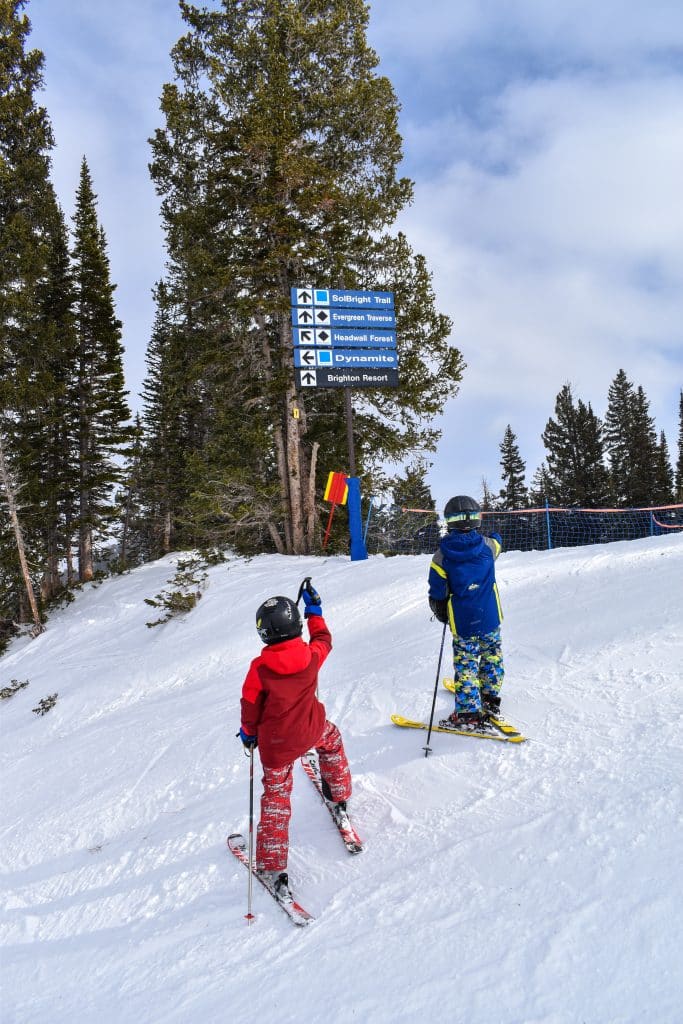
x,y
644,455
62,405
8,691
640,469
514,492
277,166
573,441
98,396
663,490
183,592
540,488
412,490
45,705
679,462
619,437
34,318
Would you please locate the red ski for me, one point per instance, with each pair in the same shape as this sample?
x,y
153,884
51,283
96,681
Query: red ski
x,y
294,911
351,839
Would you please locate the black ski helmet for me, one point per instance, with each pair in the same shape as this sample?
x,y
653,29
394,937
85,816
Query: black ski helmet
x,y
278,619
462,513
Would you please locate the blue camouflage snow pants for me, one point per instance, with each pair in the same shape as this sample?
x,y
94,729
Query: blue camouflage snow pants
x,y
477,669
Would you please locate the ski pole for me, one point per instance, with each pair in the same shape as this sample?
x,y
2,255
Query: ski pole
x,y
249,915
428,749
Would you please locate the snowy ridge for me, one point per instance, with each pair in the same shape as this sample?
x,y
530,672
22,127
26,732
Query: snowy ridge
x,y
500,884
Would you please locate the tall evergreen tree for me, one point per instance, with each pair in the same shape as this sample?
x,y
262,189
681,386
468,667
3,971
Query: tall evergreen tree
x,y
412,490
573,441
35,339
541,488
663,492
679,462
618,437
514,492
644,453
170,436
277,167
487,500
98,390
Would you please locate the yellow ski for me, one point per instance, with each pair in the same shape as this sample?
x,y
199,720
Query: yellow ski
x,y
409,723
500,723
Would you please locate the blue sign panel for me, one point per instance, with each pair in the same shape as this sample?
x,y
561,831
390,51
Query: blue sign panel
x,y
345,337
357,357
341,297
359,318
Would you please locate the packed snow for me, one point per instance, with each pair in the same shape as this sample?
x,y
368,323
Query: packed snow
x,y
500,884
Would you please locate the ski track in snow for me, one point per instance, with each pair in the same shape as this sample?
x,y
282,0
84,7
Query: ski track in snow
x,y
536,884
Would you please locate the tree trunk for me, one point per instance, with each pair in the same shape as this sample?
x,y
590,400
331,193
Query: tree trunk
x,y
6,482
310,499
294,475
85,559
166,538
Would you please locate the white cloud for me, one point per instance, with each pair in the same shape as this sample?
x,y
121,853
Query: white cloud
x,y
563,263
546,146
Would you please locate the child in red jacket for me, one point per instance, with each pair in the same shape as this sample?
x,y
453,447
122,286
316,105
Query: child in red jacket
x,y
281,712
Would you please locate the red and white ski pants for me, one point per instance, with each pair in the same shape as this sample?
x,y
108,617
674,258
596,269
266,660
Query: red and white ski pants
x,y
272,834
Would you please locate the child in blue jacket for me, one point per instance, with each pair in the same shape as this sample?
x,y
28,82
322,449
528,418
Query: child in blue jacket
x,y
463,593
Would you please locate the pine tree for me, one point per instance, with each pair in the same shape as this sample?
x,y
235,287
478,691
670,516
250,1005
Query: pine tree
x,y
487,501
35,341
277,167
679,464
412,489
98,389
514,492
541,487
644,453
619,437
663,490
170,438
576,470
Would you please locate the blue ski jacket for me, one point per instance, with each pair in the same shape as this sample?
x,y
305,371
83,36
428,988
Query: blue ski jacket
x,y
462,583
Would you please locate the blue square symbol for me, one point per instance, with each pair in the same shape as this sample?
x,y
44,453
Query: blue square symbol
x,y
324,358
322,297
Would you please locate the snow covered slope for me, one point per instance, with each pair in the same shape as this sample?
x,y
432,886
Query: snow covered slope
x,y
500,884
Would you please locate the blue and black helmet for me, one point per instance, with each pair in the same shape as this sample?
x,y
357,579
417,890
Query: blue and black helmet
x,y
462,513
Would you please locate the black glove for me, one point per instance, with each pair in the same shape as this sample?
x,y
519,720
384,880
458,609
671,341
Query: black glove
x,y
440,608
312,599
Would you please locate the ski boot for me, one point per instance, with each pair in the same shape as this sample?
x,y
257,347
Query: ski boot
x,y
467,721
490,705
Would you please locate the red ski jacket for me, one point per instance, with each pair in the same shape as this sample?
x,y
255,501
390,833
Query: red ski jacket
x,y
279,705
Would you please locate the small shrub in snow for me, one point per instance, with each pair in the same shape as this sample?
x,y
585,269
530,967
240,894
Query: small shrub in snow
x,y
45,704
8,691
183,592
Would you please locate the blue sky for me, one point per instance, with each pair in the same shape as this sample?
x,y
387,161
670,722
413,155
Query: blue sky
x,y
545,141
